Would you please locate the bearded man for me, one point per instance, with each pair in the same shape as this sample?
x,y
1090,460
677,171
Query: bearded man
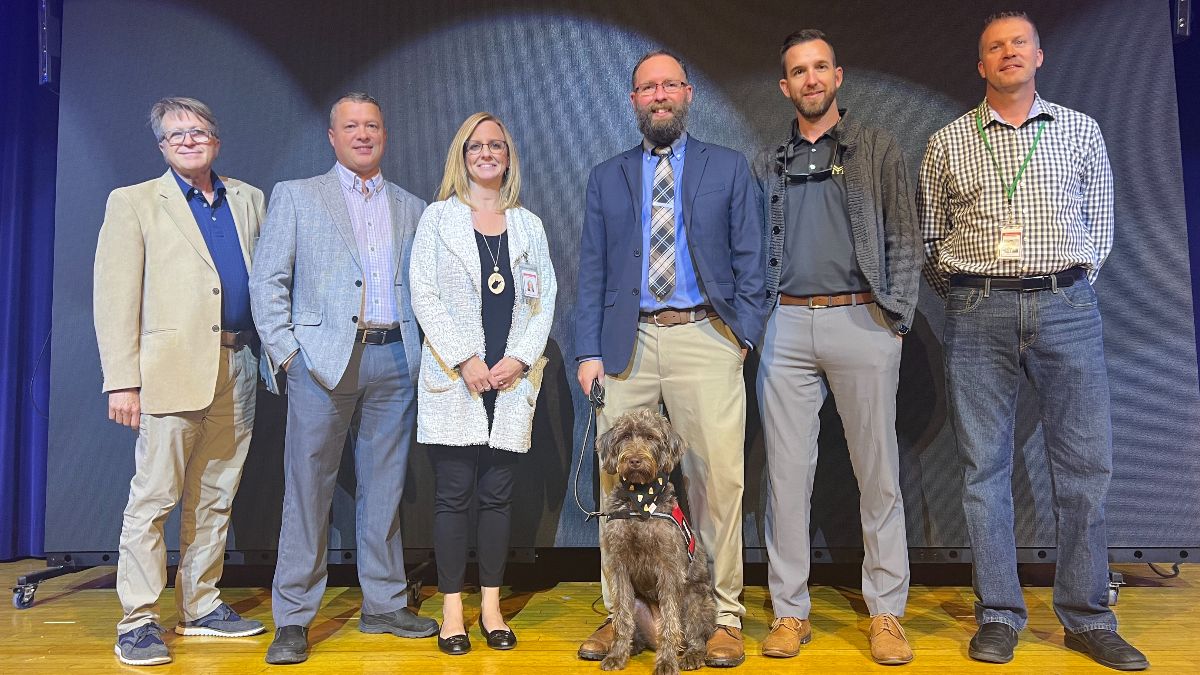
x,y
670,301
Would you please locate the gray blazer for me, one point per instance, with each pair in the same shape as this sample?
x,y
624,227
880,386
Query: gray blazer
x,y
306,284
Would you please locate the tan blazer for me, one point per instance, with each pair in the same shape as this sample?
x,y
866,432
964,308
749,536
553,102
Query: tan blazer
x,y
156,294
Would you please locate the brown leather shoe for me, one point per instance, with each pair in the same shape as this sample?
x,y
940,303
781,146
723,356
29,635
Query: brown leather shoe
x,y
596,647
888,644
725,648
787,634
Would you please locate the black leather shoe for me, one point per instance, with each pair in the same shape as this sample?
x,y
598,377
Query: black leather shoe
x,y
455,645
993,642
1108,649
289,646
498,639
402,623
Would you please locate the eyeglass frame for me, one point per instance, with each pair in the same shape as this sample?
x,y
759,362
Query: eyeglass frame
x,y
209,136
647,89
490,145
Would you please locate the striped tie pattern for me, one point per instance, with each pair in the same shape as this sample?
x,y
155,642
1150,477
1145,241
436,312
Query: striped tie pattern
x,y
662,227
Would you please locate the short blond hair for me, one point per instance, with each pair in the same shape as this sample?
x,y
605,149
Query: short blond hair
x,y
456,182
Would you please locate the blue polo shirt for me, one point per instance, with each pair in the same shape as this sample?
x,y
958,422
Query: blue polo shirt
x,y
687,292
220,234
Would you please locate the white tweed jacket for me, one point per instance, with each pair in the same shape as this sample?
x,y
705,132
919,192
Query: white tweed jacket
x,y
444,279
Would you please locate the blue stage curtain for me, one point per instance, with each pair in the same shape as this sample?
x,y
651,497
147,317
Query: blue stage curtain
x,y
1187,89
28,159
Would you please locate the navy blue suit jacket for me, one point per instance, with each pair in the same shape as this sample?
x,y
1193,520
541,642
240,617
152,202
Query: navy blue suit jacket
x,y
724,231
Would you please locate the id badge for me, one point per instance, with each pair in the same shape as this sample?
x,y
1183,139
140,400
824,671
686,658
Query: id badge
x,y
530,287
1011,242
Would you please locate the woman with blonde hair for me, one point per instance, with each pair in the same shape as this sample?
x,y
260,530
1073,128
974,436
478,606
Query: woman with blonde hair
x,y
483,290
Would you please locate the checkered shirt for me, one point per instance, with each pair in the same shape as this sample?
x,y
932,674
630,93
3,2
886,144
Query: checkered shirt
x,y
1064,201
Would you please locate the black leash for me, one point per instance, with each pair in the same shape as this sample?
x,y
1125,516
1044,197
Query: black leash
x,y
595,402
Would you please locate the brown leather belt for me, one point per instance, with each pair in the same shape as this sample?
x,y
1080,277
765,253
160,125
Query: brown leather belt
x,y
676,317
237,339
821,301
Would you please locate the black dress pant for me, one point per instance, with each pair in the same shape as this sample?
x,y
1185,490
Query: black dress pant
x,y
461,473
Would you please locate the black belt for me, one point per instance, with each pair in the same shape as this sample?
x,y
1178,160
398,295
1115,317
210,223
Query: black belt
x,y
1042,283
378,336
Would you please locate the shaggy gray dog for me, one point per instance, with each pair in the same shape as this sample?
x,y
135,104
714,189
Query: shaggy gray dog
x,y
647,555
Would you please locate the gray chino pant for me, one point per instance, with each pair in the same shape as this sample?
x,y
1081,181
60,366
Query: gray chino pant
x,y
806,353
377,385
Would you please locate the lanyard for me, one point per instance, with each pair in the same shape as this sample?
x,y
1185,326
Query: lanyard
x,y
1009,190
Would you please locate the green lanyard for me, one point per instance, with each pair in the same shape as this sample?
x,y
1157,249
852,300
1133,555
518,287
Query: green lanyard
x,y
1009,190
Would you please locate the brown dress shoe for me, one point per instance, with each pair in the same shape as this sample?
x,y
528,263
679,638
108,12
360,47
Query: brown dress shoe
x,y
787,634
596,647
888,644
725,648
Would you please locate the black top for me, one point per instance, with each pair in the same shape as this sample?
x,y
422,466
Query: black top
x,y
818,245
497,308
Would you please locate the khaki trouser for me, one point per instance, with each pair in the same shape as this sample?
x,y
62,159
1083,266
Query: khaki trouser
x,y
695,371
194,458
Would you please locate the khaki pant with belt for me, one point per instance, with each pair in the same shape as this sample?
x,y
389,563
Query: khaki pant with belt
x,y
195,459
695,371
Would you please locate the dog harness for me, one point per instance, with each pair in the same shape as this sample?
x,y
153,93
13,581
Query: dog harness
x,y
643,501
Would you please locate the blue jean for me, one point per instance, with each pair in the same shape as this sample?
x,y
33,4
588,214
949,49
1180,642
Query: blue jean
x,y
994,340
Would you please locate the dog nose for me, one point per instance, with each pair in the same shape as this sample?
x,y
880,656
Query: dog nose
x,y
635,462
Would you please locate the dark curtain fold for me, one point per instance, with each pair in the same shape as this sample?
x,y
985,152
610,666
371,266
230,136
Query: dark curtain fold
x,y
1187,89
28,159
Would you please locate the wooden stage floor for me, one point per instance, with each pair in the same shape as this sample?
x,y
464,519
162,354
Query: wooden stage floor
x,y
71,628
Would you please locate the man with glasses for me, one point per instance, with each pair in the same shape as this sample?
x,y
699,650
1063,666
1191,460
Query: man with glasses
x,y
843,265
670,300
178,351
1016,207
331,300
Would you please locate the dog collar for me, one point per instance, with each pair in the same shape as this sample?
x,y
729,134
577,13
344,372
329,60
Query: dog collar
x,y
643,501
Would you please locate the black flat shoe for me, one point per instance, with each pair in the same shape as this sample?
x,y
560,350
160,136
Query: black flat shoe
x,y
455,645
498,639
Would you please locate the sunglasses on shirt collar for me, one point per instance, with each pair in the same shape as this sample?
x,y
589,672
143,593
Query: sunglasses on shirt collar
x,y
833,168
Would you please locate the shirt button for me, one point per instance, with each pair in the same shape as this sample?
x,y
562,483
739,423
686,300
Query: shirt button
x,y
216,329
358,282
354,319
216,291
637,252
774,262
776,230
814,150
214,217
634,291
812,167
774,198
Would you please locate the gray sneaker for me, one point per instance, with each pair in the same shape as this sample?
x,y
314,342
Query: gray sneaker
x,y
402,623
221,622
142,646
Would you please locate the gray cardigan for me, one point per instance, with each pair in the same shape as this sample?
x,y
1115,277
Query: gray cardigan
x,y
880,199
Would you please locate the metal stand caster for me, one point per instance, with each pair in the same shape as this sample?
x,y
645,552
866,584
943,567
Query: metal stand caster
x,y
23,595
1115,581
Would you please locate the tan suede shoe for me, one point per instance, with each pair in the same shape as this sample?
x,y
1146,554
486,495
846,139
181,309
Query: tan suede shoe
x,y
787,634
725,648
888,644
596,647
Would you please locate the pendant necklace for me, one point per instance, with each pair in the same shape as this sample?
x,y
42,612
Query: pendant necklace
x,y
495,280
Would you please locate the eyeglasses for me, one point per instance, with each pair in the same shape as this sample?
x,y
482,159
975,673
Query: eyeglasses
x,y
199,136
669,87
476,147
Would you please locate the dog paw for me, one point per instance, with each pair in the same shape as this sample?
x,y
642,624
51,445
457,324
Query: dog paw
x,y
691,661
613,663
666,669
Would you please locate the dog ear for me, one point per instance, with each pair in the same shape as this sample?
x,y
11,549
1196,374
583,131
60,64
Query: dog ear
x,y
606,447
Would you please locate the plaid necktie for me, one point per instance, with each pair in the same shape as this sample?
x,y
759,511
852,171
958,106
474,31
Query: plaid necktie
x,y
662,227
